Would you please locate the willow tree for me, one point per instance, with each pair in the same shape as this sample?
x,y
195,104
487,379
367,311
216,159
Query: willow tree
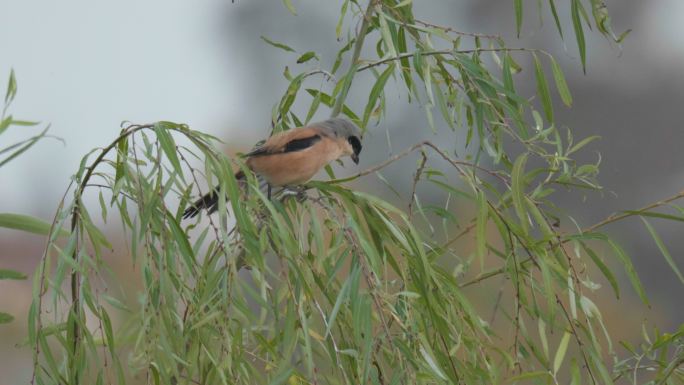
x,y
342,287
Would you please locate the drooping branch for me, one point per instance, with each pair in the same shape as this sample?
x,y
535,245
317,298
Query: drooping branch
x,y
75,215
339,102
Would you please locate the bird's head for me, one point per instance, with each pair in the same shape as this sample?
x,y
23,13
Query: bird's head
x,y
344,129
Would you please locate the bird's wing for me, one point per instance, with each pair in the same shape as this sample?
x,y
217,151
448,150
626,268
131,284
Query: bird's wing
x,y
296,139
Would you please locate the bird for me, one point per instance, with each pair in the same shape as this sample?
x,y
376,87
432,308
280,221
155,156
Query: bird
x,y
293,157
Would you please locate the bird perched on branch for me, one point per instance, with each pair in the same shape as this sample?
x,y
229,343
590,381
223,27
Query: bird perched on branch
x,y
293,157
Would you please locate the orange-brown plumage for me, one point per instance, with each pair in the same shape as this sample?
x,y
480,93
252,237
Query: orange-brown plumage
x,y
293,157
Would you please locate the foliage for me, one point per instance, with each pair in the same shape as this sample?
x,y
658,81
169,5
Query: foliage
x,y
10,220
343,287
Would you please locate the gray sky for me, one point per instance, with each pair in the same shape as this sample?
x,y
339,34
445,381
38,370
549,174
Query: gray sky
x,y
85,66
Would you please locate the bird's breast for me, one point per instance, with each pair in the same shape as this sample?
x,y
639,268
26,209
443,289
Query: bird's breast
x,y
297,167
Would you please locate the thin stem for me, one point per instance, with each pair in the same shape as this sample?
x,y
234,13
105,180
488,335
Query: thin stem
x,y
616,217
580,344
451,30
440,52
408,151
76,211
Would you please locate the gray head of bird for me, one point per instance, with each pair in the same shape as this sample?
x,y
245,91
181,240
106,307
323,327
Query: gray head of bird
x,y
347,130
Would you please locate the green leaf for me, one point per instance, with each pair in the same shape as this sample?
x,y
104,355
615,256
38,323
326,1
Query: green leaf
x,y
554,12
629,269
276,44
403,3
560,353
386,35
338,27
518,190
663,250
24,123
377,89
282,376
121,158
329,101
581,144
575,373
579,32
28,144
27,223
561,85
5,123
306,57
290,7
168,145
5,318
431,363
11,274
604,269
543,89
623,36
11,88
341,297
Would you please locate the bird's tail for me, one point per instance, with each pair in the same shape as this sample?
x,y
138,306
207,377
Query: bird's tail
x,y
209,201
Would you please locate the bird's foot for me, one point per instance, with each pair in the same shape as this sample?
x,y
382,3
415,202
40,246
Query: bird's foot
x,y
298,192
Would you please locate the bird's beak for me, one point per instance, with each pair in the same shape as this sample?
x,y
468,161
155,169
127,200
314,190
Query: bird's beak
x,y
355,158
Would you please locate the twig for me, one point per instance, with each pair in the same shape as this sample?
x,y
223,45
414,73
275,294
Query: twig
x,y
416,179
39,321
616,217
441,52
580,344
451,30
409,151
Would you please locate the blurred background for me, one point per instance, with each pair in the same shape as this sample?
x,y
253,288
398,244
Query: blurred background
x,y
84,67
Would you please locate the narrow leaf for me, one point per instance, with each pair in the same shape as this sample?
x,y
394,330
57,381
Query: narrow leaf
x,y
560,353
543,89
27,223
579,33
518,189
276,44
306,57
663,250
5,318
518,16
377,89
290,7
11,88
629,269
561,84
11,274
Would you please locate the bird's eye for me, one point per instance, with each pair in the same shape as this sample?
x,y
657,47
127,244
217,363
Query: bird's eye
x,y
355,143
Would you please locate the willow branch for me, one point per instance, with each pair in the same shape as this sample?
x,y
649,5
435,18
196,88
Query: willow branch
x,y
617,217
75,214
441,52
339,102
413,148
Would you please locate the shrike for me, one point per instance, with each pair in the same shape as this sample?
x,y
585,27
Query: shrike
x,y
293,157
